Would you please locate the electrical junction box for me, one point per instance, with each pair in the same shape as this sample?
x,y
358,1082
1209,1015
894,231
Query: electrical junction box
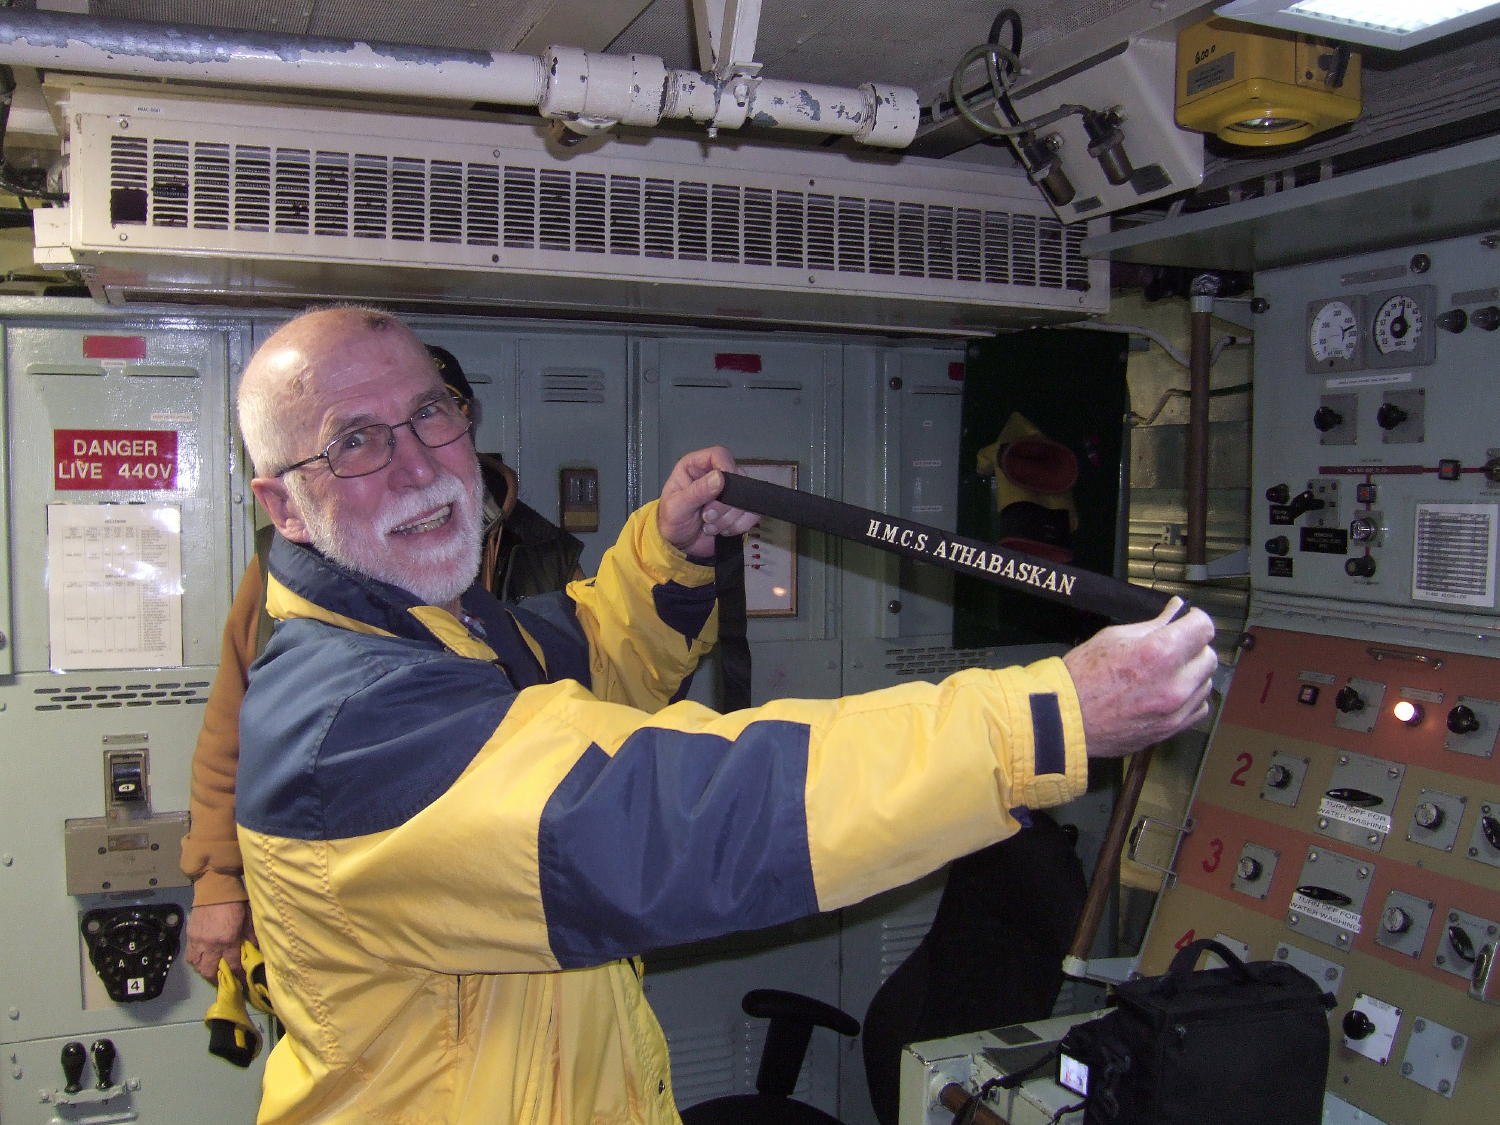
x,y
1256,87
1134,78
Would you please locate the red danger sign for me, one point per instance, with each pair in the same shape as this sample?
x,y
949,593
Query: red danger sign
x,y
114,460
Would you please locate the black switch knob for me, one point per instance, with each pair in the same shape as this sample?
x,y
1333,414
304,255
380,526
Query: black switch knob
x,y
1278,494
104,1063
1326,418
1454,320
1302,503
1361,566
1348,700
1278,545
1357,1025
73,1058
1487,318
1389,416
1462,720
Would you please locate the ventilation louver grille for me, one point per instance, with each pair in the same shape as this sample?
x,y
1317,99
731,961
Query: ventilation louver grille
x,y
245,188
107,696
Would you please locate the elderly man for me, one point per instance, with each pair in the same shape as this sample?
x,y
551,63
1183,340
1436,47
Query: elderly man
x,y
461,821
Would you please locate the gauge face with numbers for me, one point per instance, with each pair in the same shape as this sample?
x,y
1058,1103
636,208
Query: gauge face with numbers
x,y
1334,333
1398,325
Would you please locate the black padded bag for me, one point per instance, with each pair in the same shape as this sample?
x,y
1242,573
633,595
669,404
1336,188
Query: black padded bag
x,y
1246,1044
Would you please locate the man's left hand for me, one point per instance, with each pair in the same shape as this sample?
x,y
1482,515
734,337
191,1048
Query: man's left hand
x,y
689,515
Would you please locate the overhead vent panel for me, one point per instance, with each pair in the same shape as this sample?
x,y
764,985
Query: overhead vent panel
x,y
505,219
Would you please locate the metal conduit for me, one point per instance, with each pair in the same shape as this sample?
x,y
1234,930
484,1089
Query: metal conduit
x,y
588,92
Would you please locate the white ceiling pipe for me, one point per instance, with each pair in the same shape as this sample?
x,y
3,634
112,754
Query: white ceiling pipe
x,y
60,41
590,90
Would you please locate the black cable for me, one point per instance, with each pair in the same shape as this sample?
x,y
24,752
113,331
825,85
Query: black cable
x,y
8,180
1065,1110
1013,18
969,1112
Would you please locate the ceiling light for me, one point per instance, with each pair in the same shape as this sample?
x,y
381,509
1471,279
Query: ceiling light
x,y
1393,24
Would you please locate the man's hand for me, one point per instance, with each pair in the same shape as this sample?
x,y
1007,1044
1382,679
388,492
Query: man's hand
x,y
215,932
689,515
1139,684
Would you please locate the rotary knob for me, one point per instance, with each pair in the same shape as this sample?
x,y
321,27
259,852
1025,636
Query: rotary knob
x,y
1278,776
1462,720
1357,1025
1326,418
1362,529
1249,868
1278,494
1389,416
1428,815
1395,920
1278,545
1348,700
1360,566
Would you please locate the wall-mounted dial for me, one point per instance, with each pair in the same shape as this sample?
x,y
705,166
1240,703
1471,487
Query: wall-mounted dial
x,y
1335,335
1398,325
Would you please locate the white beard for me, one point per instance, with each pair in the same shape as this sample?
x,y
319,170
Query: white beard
x,y
437,578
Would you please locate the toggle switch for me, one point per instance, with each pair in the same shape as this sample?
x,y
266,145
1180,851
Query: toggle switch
x,y
1303,503
127,785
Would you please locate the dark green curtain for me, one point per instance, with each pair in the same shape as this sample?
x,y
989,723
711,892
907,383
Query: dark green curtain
x,y
1071,386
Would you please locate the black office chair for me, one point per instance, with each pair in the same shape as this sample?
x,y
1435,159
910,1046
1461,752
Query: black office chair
x,y
993,955
793,1017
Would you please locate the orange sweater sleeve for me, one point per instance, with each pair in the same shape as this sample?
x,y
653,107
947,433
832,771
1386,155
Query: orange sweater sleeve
x,y
211,849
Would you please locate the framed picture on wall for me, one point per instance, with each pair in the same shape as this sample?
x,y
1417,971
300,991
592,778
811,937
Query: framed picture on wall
x,y
771,550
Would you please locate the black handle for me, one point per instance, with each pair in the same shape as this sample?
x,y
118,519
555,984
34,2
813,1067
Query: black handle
x,y
103,1051
1187,957
1042,578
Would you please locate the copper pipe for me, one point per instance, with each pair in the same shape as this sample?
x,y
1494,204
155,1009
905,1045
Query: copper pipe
x,y
1107,867
956,1099
1205,287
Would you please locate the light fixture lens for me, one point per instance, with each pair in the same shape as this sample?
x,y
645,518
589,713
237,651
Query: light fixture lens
x,y
1268,124
1397,17
1407,712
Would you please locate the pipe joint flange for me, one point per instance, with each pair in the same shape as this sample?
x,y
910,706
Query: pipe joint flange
x,y
893,115
586,86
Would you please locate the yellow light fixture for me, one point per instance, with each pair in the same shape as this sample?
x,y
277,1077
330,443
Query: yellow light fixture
x,y
1260,87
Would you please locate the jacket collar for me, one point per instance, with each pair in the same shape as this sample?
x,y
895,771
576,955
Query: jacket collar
x,y
304,583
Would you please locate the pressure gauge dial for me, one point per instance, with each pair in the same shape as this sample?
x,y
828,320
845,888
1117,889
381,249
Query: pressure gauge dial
x,y
1398,325
1334,333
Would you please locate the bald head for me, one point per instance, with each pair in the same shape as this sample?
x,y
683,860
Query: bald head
x,y
279,391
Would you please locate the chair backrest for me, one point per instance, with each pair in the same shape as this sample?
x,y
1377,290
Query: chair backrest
x,y
993,955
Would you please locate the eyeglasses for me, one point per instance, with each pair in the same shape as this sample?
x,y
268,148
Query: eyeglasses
x,y
368,449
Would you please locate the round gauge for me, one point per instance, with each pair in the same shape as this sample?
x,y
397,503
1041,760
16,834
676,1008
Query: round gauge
x,y
1334,334
1398,325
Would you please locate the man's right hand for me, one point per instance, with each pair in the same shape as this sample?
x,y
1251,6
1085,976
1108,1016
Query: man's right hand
x,y
215,932
1139,684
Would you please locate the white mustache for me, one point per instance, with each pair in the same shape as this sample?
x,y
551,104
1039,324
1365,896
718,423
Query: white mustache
x,y
431,498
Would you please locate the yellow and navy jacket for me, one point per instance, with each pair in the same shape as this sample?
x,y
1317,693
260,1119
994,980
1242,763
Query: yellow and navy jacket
x,y
457,837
